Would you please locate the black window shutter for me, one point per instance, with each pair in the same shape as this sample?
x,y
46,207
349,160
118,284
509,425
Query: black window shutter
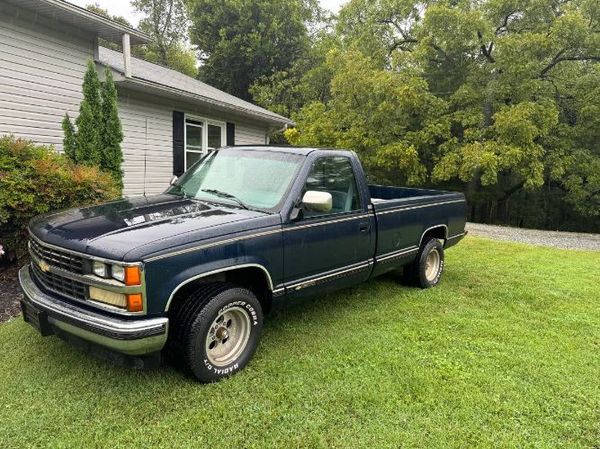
x,y
178,143
230,134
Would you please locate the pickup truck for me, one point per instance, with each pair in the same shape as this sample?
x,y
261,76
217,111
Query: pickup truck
x,y
189,274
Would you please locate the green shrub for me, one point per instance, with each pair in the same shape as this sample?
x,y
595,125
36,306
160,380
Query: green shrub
x,y
35,179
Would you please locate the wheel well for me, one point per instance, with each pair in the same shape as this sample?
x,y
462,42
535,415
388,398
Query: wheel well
x,y
253,278
437,232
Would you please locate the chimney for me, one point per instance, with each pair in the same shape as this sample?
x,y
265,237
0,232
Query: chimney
x,y
127,55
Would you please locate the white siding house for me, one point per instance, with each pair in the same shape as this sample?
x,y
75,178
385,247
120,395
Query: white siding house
x,y
169,119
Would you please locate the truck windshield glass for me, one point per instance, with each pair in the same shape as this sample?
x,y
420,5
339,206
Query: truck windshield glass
x,y
249,178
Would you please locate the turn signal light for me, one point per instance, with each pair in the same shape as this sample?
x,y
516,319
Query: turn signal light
x,y
133,276
135,302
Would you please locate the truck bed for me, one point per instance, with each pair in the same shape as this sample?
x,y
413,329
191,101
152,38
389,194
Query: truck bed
x,y
405,214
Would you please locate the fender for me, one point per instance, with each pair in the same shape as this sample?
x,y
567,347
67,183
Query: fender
x,y
218,271
441,225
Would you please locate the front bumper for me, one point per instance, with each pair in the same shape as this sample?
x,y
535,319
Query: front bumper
x,y
49,315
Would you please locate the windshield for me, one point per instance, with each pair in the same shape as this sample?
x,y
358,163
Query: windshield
x,y
249,178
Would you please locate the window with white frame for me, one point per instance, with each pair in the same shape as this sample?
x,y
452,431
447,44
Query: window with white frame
x,y
201,137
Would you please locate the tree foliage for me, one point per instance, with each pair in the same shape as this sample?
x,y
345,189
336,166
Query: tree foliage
x,y
69,141
241,41
111,133
96,138
165,21
35,179
499,98
87,138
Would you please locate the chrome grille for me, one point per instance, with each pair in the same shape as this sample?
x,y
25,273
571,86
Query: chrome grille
x,y
59,284
57,258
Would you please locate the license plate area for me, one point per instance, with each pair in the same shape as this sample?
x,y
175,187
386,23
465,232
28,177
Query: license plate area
x,y
37,318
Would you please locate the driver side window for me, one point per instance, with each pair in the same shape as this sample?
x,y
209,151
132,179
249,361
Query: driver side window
x,y
334,175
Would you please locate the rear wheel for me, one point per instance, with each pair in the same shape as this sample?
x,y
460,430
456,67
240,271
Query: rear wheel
x,y
427,268
216,331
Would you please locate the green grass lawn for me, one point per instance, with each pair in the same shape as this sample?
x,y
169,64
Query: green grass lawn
x,y
505,352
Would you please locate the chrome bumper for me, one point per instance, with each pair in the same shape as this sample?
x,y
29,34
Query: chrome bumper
x,y
131,337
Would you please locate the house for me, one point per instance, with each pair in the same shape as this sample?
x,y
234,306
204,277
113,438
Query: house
x,y
169,119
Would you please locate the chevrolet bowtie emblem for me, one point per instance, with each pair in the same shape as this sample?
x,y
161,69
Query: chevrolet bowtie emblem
x,y
44,266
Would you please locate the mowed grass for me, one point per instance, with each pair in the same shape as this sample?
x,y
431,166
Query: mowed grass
x,y
505,352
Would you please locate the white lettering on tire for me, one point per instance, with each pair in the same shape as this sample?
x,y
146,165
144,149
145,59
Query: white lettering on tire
x,y
221,371
245,305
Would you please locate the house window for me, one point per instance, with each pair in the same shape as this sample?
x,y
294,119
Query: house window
x,y
201,137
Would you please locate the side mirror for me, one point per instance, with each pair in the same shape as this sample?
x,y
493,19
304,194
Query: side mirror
x,y
317,201
173,181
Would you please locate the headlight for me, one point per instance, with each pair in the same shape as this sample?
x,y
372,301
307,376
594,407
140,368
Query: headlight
x,y
99,269
118,272
129,275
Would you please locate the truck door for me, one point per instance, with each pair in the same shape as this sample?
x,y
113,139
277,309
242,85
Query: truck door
x,y
334,248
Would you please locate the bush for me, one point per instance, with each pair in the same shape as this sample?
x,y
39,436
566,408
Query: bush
x,y
34,180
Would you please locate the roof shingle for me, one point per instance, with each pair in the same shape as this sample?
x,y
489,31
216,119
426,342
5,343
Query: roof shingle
x,y
166,77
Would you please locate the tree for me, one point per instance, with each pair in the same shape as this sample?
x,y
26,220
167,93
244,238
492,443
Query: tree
x,y
241,41
95,8
390,119
88,143
69,140
307,80
167,23
96,140
514,118
111,131
168,32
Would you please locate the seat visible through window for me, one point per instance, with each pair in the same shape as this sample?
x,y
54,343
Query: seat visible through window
x,y
334,174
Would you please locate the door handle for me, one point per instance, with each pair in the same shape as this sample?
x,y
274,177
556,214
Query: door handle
x,y
364,226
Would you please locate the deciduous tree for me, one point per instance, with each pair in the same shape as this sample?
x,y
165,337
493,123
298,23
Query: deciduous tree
x,y
505,100
240,41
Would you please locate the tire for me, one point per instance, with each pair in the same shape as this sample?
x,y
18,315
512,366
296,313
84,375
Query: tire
x,y
215,331
427,268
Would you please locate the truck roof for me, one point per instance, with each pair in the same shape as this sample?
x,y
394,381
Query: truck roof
x,y
304,151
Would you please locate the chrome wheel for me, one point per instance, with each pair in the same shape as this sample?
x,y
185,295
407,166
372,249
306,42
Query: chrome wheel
x,y
432,264
228,336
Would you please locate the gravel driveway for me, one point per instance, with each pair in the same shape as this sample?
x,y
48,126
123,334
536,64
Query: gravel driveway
x,y
556,239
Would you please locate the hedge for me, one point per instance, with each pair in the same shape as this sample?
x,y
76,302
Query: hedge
x,y
35,179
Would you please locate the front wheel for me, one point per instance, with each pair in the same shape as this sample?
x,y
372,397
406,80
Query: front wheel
x,y
216,331
426,270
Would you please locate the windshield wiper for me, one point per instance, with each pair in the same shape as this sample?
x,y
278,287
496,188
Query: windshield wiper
x,y
228,196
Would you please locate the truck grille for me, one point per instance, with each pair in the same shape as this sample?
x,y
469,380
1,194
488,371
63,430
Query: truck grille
x,y
57,258
59,284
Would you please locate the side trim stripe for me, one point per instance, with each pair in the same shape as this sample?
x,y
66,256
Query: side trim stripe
x,y
401,209
251,236
393,254
213,244
322,223
345,271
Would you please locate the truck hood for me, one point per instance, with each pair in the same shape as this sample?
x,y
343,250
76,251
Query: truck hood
x,y
112,230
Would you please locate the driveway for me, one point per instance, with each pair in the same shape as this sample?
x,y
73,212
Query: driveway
x,y
556,239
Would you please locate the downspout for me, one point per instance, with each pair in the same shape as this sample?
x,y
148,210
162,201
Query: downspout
x,y
126,55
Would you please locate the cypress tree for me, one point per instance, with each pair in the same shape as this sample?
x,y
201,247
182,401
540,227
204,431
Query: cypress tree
x,y
111,134
88,145
69,141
